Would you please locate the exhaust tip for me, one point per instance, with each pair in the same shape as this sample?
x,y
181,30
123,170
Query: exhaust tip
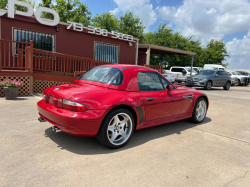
x,y
41,119
55,129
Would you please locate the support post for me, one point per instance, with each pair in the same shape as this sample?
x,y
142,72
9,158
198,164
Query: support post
x,y
192,64
31,56
31,66
148,56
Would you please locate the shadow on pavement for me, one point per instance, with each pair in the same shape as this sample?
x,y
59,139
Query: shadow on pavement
x,y
90,146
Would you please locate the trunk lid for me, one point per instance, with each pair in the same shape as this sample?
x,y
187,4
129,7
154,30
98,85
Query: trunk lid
x,y
67,91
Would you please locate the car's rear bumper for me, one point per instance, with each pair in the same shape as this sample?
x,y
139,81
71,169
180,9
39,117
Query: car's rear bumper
x,y
76,123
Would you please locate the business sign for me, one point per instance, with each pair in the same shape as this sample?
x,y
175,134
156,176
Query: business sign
x,y
75,26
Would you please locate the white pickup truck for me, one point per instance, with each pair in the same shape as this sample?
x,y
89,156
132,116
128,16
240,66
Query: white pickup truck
x,y
181,73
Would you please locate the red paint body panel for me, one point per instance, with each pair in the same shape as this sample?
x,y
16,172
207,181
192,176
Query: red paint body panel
x,y
68,41
100,98
75,123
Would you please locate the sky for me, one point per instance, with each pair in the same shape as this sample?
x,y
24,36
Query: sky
x,y
204,20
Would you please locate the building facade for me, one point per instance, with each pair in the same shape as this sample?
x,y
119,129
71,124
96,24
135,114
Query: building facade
x,y
68,41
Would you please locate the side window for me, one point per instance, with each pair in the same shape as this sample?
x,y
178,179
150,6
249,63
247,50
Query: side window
x,y
164,82
149,81
220,72
174,69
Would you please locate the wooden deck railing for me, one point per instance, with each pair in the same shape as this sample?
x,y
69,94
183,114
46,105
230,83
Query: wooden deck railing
x,y
156,67
47,61
16,55
12,55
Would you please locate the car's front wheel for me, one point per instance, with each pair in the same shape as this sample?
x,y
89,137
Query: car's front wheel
x,y
200,111
227,86
116,129
208,85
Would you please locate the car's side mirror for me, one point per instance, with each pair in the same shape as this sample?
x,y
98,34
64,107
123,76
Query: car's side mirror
x,y
169,87
216,75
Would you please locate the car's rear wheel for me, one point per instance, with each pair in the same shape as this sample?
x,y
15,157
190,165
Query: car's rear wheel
x,y
237,82
227,86
116,129
208,85
200,111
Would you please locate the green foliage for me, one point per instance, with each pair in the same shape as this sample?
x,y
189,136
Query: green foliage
x,y
72,10
132,25
3,3
214,53
68,10
106,21
11,84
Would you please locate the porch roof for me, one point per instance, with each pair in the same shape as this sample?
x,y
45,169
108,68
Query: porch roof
x,y
156,49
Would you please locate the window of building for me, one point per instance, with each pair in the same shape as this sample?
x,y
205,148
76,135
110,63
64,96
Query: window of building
x,y
40,40
106,52
149,81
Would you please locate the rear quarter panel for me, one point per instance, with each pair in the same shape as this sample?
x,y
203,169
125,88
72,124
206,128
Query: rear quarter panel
x,y
106,100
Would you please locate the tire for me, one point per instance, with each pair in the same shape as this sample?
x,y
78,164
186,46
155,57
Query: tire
x,y
237,83
179,82
202,104
113,133
227,86
208,85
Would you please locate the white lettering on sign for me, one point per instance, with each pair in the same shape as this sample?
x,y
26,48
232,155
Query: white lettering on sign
x,y
40,10
11,8
99,31
76,26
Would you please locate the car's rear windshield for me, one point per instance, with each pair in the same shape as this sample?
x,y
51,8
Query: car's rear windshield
x,y
206,72
104,74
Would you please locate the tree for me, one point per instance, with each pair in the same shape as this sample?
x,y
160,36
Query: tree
x,y
132,25
214,52
72,10
3,3
106,21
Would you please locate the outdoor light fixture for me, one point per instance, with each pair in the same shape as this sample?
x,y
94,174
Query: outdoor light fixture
x,y
57,29
130,44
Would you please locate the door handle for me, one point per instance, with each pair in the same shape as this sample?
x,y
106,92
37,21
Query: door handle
x,y
150,98
188,96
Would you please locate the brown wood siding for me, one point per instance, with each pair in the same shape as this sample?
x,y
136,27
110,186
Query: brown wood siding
x,y
68,41
142,58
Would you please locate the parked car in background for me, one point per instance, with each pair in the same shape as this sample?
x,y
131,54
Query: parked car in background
x,y
244,73
110,102
239,78
214,67
168,76
181,73
197,69
209,79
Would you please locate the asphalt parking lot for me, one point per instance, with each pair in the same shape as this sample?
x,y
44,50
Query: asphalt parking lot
x,y
214,153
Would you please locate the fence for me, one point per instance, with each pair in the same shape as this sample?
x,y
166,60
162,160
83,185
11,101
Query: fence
x,y
13,55
46,61
158,68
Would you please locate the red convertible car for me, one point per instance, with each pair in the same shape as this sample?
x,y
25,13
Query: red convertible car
x,y
111,101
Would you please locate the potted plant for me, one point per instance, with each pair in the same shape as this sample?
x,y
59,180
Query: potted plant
x,y
11,88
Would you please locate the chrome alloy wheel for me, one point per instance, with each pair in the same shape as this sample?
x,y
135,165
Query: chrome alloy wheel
x,y
119,129
201,110
227,85
209,85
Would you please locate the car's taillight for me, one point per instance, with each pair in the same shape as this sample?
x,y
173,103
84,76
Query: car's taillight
x,y
45,97
73,106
